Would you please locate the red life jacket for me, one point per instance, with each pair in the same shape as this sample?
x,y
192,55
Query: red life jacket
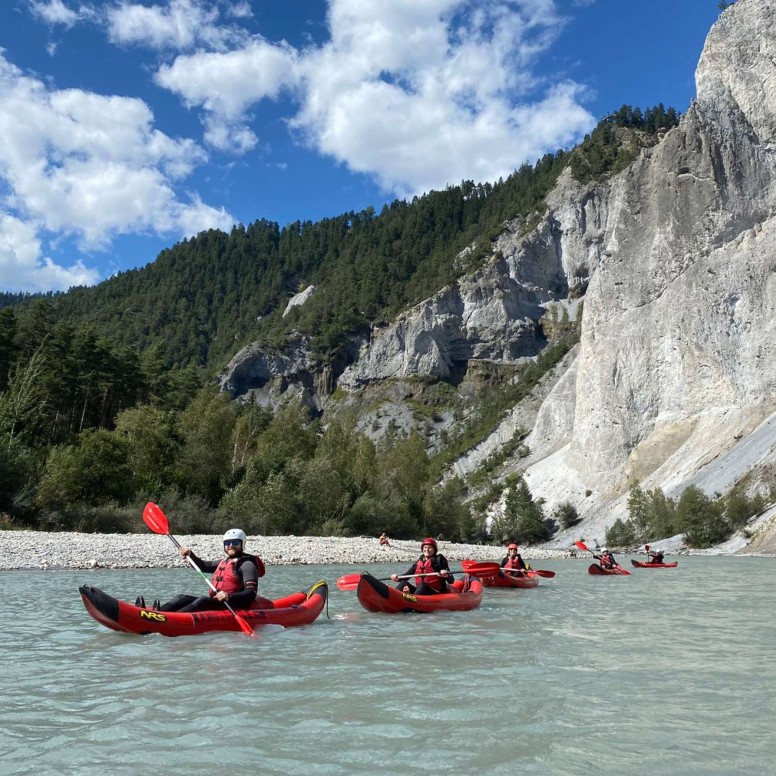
x,y
426,566
227,577
512,564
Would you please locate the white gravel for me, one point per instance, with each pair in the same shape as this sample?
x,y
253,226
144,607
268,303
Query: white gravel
x,y
68,550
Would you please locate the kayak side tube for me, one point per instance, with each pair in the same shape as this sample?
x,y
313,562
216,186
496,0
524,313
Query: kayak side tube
x,y
639,564
300,608
376,596
509,580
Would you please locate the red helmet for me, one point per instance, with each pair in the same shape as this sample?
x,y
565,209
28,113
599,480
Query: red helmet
x,y
646,546
430,541
512,546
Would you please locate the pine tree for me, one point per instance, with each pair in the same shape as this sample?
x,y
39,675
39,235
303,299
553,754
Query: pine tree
x,y
523,519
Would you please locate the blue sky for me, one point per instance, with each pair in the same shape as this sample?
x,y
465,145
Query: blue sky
x,y
126,126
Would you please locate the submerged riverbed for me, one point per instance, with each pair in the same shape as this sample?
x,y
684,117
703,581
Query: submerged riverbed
x,y
665,671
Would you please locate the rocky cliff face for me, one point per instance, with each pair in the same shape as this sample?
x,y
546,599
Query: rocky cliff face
x,y
676,359
674,380
493,314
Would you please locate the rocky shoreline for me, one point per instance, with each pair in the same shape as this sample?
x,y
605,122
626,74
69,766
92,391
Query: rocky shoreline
x,y
69,550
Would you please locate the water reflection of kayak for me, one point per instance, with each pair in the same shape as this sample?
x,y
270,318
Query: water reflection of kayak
x,y
295,609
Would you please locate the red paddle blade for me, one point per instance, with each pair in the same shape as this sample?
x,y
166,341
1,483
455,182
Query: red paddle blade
x,y
155,519
582,546
348,581
543,573
244,627
481,569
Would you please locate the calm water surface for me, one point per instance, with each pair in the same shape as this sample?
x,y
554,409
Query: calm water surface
x,y
665,671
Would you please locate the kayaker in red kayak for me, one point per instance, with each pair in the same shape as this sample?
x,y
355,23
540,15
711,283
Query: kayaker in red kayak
x,y
606,559
655,556
429,562
513,562
236,578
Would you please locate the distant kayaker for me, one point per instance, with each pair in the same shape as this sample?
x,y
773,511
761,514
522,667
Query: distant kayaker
x,y
606,559
235,578
429,562
513,562
655,556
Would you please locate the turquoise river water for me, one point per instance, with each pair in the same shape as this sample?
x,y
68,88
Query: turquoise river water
x,y
662,672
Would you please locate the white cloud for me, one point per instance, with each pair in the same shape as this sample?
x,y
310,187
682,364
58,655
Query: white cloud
x,y
242,9
421,95
23,268
227,85
180,25
90,167
54,12
415,94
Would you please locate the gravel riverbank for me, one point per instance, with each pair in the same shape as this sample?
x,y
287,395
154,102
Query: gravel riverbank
x,y
67,550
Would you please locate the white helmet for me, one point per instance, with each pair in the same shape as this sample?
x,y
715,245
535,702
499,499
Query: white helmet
x,y
604,549
236,533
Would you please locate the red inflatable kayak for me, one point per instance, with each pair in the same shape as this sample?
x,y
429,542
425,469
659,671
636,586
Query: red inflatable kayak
x,y
510,580
643,565
594,568
295,609
376,596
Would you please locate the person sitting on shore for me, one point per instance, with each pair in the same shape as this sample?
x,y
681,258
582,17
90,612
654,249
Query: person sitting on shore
x,y
384,540
235,578
655,556
430,562
513,563
606,559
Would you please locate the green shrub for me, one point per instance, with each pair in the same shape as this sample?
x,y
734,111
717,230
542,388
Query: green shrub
x,y
566,514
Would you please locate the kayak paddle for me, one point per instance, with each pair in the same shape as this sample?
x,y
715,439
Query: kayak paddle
x,y
156,520
350,581
471,564
583,546
467,564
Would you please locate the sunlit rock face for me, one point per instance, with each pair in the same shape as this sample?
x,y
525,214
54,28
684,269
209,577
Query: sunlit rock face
x,y
677,353
493,314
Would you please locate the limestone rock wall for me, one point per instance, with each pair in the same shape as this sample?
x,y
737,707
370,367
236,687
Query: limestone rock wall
x,y
679,330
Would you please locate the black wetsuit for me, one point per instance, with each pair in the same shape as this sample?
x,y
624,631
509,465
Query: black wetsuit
x,y
249,573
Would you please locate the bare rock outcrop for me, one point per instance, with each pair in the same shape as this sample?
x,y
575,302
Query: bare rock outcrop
x,y
493,313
